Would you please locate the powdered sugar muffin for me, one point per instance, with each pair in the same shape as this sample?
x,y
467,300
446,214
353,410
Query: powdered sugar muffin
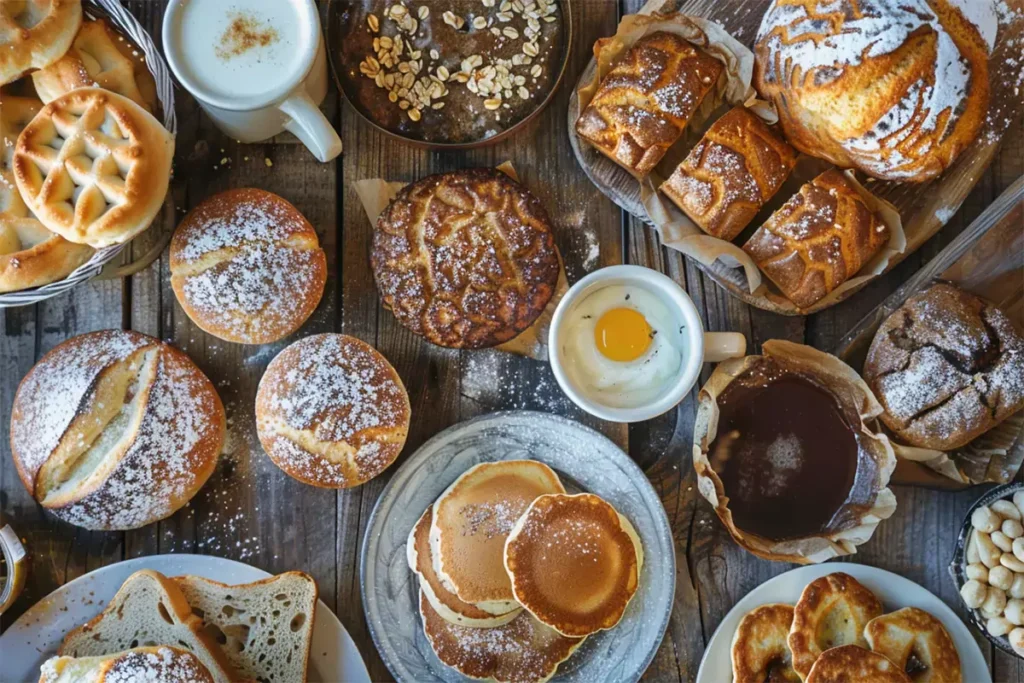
x,y
331,411
247,267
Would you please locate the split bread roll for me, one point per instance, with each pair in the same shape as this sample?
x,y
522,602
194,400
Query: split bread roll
x,y
115,430
30,255
725,180
160,664
99,57
94,167
332,412
895,88
247,267
35,34
818,239
645,102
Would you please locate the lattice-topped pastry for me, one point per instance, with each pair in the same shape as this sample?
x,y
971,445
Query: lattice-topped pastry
x,y
99,57
30,255
94,167
35,34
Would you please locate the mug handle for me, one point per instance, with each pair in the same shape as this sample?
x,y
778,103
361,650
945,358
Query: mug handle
x,y
719,346
310,125
15,556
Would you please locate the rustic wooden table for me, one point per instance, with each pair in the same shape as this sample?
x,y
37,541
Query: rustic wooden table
x,y
251,511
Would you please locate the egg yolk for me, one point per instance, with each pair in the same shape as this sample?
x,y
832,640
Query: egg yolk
x,y
622,334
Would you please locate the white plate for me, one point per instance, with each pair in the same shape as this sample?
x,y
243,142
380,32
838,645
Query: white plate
x,y
37,634
893,590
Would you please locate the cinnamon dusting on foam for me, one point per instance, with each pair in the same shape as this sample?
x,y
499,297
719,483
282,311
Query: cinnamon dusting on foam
x,y
245,32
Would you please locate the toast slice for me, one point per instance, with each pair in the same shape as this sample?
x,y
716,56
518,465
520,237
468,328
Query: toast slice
x,y
148,610
265,627
150,664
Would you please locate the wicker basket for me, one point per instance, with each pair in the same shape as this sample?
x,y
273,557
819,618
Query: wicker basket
x,y
119,17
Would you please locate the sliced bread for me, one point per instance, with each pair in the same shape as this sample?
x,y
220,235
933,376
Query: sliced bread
x,y
148,610
264,627
148,664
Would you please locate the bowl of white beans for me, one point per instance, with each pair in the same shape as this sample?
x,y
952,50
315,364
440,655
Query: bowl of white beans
x,y
988,566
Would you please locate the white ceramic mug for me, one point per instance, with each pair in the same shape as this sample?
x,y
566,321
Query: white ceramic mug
x,y
259,91
700,346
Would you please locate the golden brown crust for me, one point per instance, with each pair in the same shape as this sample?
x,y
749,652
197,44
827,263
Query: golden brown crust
x,y
111,148
912,631
728,176
247,266
875,85
947,366
332,412
854,664
465,259
34,37
760,653
832,611
818,240
645,102
99,56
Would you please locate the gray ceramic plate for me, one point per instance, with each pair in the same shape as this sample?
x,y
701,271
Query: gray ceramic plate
x,y
585,460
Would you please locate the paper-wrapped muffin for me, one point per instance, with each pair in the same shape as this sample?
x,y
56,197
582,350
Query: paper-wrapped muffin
x,y
785,452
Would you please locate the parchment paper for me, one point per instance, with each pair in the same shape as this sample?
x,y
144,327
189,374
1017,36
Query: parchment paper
x,y
871,500
375,195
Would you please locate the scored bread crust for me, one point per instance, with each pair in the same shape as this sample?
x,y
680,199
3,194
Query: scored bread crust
x,y
819,239
738,165
173,612
156,664
115,430
947,366
647,99
247,266
465,259
42,42
112,152
332,412
99,57
887,103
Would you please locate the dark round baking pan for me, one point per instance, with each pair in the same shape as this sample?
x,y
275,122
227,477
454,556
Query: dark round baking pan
x,y
463,123
958,565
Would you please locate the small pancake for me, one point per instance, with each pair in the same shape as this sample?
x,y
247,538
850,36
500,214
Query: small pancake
x,y
854,664
523,650
445,603
574,562
471,521
760,653
833,611
911,632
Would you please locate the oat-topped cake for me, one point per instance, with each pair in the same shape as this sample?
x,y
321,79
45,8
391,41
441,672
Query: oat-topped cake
x,y
465,259
948,366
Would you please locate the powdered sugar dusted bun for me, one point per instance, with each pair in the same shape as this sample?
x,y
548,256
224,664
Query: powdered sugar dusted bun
x,y
895,88
331,411
247,267
149,664
115,430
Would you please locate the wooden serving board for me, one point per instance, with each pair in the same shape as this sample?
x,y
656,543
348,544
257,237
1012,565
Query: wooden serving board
x,y
987,259
925,208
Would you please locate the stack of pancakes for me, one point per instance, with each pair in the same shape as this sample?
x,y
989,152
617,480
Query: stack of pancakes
x,y
514,573
838,633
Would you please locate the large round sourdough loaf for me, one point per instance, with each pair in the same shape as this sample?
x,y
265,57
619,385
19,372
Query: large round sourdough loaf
x,y
115,430
895,88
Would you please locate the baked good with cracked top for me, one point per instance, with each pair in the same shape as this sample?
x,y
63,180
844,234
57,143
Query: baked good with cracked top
x,y
35,34
895,88
947,366
30,255
819,239
94,167
739,164
760,652
912,632
465,259
114,430
646,101
854,664
331,411
247,266
99,57
159,664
